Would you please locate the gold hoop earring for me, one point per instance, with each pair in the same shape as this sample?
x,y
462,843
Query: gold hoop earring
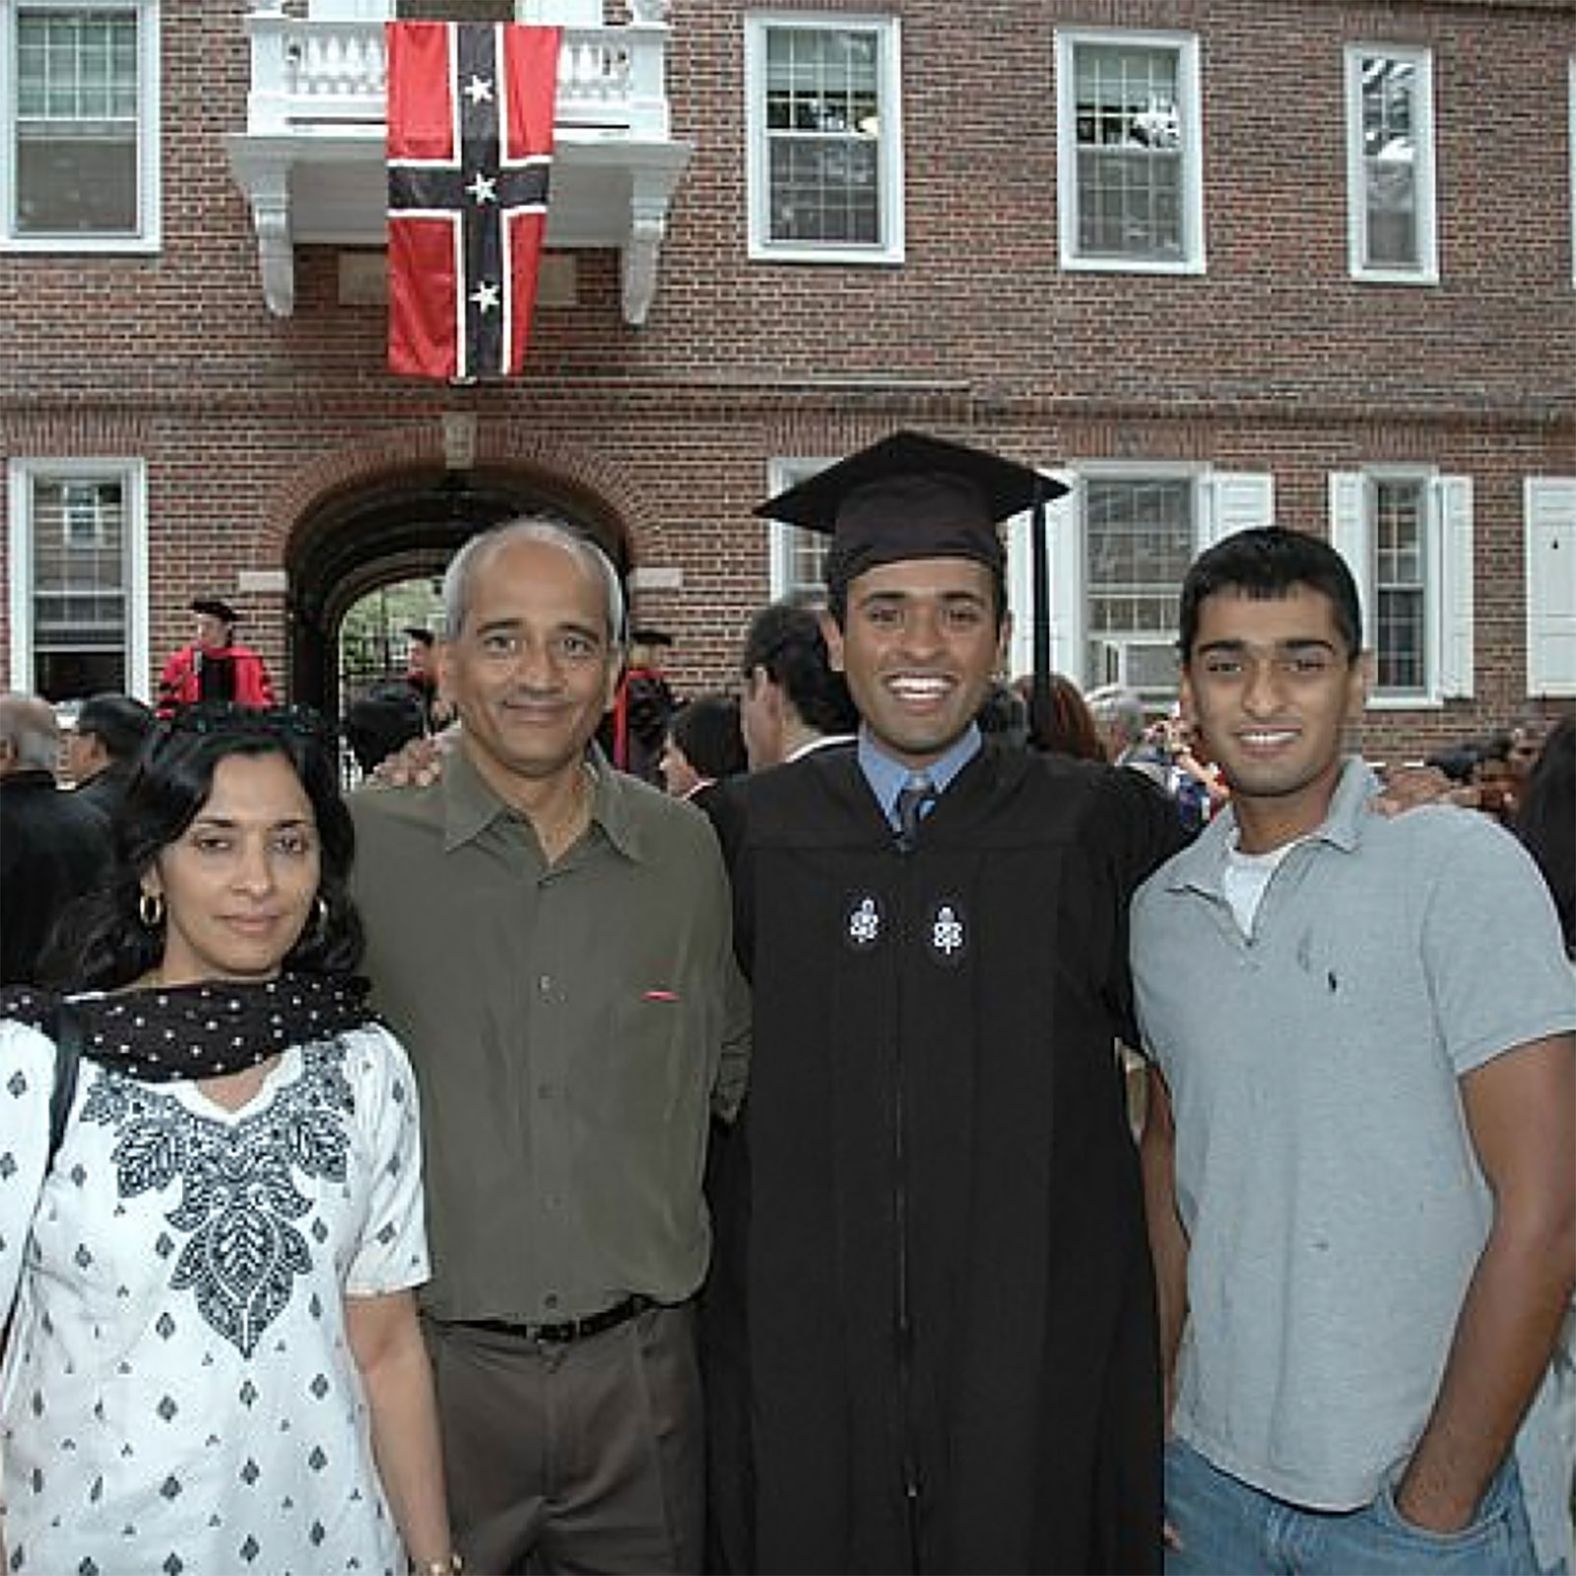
x,y
150,910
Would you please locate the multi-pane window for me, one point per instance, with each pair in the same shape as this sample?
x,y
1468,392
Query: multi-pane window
x,y
1390,163
825,143
79,102
1139,538
1121,540
77,577
798,556
1129,136
1400,633
1406,534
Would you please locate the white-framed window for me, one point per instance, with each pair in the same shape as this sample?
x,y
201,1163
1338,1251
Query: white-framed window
x,y
824,126
78,603
1130,151
1550,526
1121,539
79,111
1406,534
796,557
1390,164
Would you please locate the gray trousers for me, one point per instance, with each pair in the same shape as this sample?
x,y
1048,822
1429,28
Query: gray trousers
x,y
578,1457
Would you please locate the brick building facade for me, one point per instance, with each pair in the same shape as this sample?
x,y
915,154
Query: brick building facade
x,y
1211,259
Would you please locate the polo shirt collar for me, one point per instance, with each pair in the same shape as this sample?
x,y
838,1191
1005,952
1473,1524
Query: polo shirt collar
x,y
470,806
1202,866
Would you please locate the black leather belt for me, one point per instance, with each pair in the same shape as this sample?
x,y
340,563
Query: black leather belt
x,y
566,1329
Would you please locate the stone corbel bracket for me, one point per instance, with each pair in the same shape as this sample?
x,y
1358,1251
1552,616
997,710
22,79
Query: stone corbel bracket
x,y
265,178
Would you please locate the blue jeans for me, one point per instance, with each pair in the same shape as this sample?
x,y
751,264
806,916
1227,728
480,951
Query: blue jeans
x,y
1229,1529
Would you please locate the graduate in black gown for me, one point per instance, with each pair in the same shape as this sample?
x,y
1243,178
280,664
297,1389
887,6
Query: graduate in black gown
x,y
931,1324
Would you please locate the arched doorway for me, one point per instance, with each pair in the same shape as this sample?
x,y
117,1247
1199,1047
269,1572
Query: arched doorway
x,y
406,524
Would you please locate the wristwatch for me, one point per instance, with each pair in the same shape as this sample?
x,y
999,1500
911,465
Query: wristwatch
x,y
450,1565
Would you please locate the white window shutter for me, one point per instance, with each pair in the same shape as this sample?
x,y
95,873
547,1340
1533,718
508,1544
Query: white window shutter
x,y
1453,500
1233,501
1062,523
1551,584
1064,520
1349,537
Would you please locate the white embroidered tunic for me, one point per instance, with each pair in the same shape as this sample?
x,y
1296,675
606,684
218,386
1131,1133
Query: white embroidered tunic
x,y
179,1394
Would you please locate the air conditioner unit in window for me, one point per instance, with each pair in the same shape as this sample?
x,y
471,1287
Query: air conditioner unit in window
x,y
1145,665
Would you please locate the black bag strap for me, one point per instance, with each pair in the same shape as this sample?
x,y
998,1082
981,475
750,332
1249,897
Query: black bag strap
x,y
68,1058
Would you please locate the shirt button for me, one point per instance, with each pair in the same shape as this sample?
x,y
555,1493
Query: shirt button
x,y
545,984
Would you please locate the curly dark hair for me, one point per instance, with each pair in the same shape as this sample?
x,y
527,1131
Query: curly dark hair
x,y
101,943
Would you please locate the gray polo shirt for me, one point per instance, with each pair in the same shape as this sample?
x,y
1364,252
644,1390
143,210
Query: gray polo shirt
x,y
1325,1174
570,1027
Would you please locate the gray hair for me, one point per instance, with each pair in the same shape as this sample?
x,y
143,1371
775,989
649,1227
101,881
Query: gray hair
x,y
29,726
531,528
1111,703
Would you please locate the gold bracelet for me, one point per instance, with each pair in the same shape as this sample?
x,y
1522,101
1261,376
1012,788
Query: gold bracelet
x,y
450,1565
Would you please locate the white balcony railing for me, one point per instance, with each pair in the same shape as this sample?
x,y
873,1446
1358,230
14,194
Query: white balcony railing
x,y
308,72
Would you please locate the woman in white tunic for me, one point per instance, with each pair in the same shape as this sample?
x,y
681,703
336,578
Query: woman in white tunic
x,y
214,1362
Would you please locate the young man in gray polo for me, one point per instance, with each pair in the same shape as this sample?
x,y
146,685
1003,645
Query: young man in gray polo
x,y
1361,1154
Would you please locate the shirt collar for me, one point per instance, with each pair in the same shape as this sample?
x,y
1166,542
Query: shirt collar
x,y
470,805
887,777
1201,865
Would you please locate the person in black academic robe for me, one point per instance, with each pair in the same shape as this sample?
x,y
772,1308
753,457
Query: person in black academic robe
x,y
930,1334
933,1212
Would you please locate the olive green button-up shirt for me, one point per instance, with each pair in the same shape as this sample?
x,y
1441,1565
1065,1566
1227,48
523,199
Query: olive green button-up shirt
x,y
571,1026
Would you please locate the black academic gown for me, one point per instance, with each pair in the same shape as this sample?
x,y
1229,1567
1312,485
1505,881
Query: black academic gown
x,y
937,1341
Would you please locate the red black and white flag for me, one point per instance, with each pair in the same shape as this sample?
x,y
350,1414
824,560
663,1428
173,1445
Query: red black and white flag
x,y
470,149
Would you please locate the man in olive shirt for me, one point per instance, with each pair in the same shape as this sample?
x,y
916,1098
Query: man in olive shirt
x,y
552,941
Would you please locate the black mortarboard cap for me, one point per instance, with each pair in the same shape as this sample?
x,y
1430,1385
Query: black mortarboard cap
x,y
422,636
644,635
215,608
915,496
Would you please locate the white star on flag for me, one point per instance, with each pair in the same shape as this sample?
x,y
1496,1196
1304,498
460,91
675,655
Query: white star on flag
x,y
483,188
485,295
479,90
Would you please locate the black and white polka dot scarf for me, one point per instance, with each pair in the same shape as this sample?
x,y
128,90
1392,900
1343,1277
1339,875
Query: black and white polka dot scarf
x,y
158,1034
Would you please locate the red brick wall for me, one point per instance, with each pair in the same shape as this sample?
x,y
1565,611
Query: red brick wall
x,y
1274,360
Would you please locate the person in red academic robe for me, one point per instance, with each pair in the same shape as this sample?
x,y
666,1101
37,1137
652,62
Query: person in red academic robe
x,y
213,666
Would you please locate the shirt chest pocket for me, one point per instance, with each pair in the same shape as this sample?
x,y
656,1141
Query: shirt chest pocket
x,y
660,1056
